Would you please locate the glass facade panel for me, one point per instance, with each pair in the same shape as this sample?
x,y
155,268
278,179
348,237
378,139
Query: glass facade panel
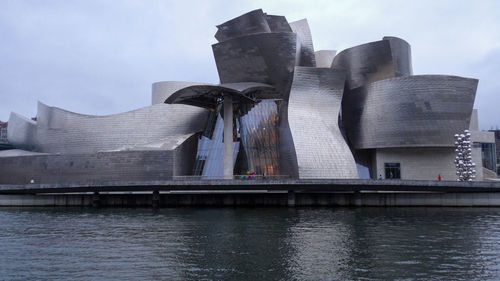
x,y
259,136
256,131
489,155
210,157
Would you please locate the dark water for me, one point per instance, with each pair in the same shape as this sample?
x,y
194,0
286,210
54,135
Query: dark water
x,y
250,244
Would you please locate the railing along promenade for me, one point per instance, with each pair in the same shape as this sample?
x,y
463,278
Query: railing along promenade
x,y
256,183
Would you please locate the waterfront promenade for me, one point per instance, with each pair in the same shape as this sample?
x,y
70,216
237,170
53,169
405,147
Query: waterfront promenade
x,y
256,192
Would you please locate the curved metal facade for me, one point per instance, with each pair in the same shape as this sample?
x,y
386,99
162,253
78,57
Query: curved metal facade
x,y
265,58
390,57
250,23
207,95
324,58
301,28
423,110
278,24
21,132
160,126
286,100
313,111
164,89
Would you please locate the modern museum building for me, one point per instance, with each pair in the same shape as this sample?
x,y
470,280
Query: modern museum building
x,y
281,109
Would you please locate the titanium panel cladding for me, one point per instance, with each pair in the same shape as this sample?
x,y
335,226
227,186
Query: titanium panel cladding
x,y
264,58
422,110
21,131
61,131
246,24
324,58
313,112
163,90
374,61
278,23
301,27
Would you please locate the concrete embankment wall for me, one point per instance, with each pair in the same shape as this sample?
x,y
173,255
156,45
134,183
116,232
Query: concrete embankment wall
x,y
386,199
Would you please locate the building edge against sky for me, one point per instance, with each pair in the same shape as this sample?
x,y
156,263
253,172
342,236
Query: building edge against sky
x,y
282,110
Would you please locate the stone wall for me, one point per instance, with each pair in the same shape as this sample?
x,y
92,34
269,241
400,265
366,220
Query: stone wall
x,y
423,163
259,199
98,167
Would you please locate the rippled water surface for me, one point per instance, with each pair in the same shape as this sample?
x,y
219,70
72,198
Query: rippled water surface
x,y
250,244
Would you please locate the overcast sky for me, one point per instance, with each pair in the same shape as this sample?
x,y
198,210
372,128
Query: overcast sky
x,y
101,57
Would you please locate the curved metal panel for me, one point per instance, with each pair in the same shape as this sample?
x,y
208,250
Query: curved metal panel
x,y
301,27
423,110
21,131
60,131
249,23
278,24
208,96
313,111
374,61
324,58
164,89
264,58
401,56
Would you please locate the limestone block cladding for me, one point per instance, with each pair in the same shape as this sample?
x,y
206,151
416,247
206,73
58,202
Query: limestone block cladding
x,y
112,166
423,163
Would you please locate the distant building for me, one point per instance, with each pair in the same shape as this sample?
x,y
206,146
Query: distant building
x,y
483,149
3,131
497,146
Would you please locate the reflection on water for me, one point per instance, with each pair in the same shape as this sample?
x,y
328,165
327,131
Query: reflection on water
x,y
250,244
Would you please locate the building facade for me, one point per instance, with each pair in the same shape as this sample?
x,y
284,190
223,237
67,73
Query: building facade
x,y
3,132
497,149
282,110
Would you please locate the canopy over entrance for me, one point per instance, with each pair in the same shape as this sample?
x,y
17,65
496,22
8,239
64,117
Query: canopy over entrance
x,y
208,96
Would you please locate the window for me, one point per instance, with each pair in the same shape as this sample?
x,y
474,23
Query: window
x,y
489,155
392,170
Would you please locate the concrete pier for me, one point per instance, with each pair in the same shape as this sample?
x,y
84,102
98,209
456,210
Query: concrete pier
x,y
155,201
291,199
257,199
96,200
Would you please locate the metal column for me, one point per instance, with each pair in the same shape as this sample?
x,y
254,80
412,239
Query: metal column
x,y
228,137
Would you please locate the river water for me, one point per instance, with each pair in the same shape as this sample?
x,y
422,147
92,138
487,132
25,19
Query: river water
x,y
250,244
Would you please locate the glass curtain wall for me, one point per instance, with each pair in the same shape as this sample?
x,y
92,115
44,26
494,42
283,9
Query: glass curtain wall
x,y
489,155
258,131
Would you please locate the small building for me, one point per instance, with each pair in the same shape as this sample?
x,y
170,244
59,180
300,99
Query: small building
x,y
497,148
3,132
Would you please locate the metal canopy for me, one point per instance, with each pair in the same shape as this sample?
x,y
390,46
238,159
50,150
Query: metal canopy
x,y
208,96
